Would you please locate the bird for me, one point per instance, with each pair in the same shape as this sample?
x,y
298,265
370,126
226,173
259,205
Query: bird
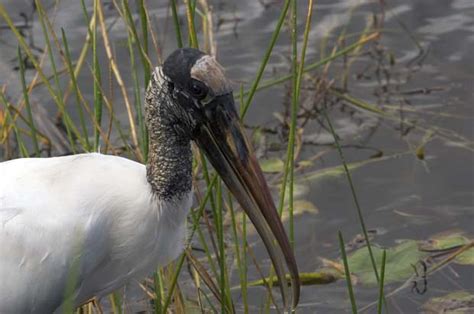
x,y
105,220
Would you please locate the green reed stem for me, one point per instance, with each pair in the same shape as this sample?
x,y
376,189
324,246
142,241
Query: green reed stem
x,y
312,66
147,70
381,284
193,230
207,179
98,100
25,47
158,285
177,27
266,57
297,77
294,112
209,301
214,208
27,104
244,263
19,139
348,274
193,42
82,121
205,247
240,266
289,162
116,301
137,97
216,205
174,281
143,50
144,28
220,241
202,240
354,196
62,108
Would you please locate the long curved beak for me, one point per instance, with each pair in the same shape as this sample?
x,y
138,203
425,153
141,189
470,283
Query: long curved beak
x,y
222,139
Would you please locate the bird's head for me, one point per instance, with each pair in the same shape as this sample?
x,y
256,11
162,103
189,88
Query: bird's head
x,y
199,98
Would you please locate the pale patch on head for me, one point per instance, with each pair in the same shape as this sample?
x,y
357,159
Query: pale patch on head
x,y
209,71
158,75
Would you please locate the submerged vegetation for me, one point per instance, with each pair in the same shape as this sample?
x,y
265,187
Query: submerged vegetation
x,y
94,99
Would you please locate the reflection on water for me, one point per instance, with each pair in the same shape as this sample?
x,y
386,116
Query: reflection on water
x,y
432,79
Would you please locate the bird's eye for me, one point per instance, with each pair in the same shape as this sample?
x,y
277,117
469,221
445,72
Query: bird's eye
x,y
198,89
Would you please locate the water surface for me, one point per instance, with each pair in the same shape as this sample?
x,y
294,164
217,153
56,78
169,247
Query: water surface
x,y
402,198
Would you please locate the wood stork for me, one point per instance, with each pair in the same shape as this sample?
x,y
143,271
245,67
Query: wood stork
x,y
106,219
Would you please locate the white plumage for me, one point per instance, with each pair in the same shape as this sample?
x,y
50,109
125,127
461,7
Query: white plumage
x,y
96,208
76,227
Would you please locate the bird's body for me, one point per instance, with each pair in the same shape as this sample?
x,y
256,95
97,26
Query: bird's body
x,y
77,227
103,221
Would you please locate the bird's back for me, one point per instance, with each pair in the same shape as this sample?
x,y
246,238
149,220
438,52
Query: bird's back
x,y
76,220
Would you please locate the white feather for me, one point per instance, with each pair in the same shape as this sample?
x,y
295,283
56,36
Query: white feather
x,y
91,210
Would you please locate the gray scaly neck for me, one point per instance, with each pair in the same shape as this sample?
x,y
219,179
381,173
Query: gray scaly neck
x,y
170,157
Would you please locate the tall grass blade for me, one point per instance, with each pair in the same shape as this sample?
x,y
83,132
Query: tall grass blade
x,y
297,77
144,41
225,292
120,82
158,283
143,50
220,240
354,196
203,242
240,262
174,281
26,49
347,272
8,120
314,65
68,122
116,301
73,274
265,59
294,112
193,41
209,283
381,284
143,139
26,98
147,72
177,27
180,262
77,93
98,101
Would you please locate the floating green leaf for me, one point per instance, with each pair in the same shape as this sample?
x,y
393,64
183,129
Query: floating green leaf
x,y
466,258
450,240
275,165
301,207
272,165
305,163
458,302
398,265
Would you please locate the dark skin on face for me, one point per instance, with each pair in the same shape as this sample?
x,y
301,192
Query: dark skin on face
x,y
197,84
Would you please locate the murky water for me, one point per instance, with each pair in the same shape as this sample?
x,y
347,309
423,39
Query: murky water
x,y
402,198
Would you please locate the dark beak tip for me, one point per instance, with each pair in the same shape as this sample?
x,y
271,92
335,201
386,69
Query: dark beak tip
x,y
231,155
